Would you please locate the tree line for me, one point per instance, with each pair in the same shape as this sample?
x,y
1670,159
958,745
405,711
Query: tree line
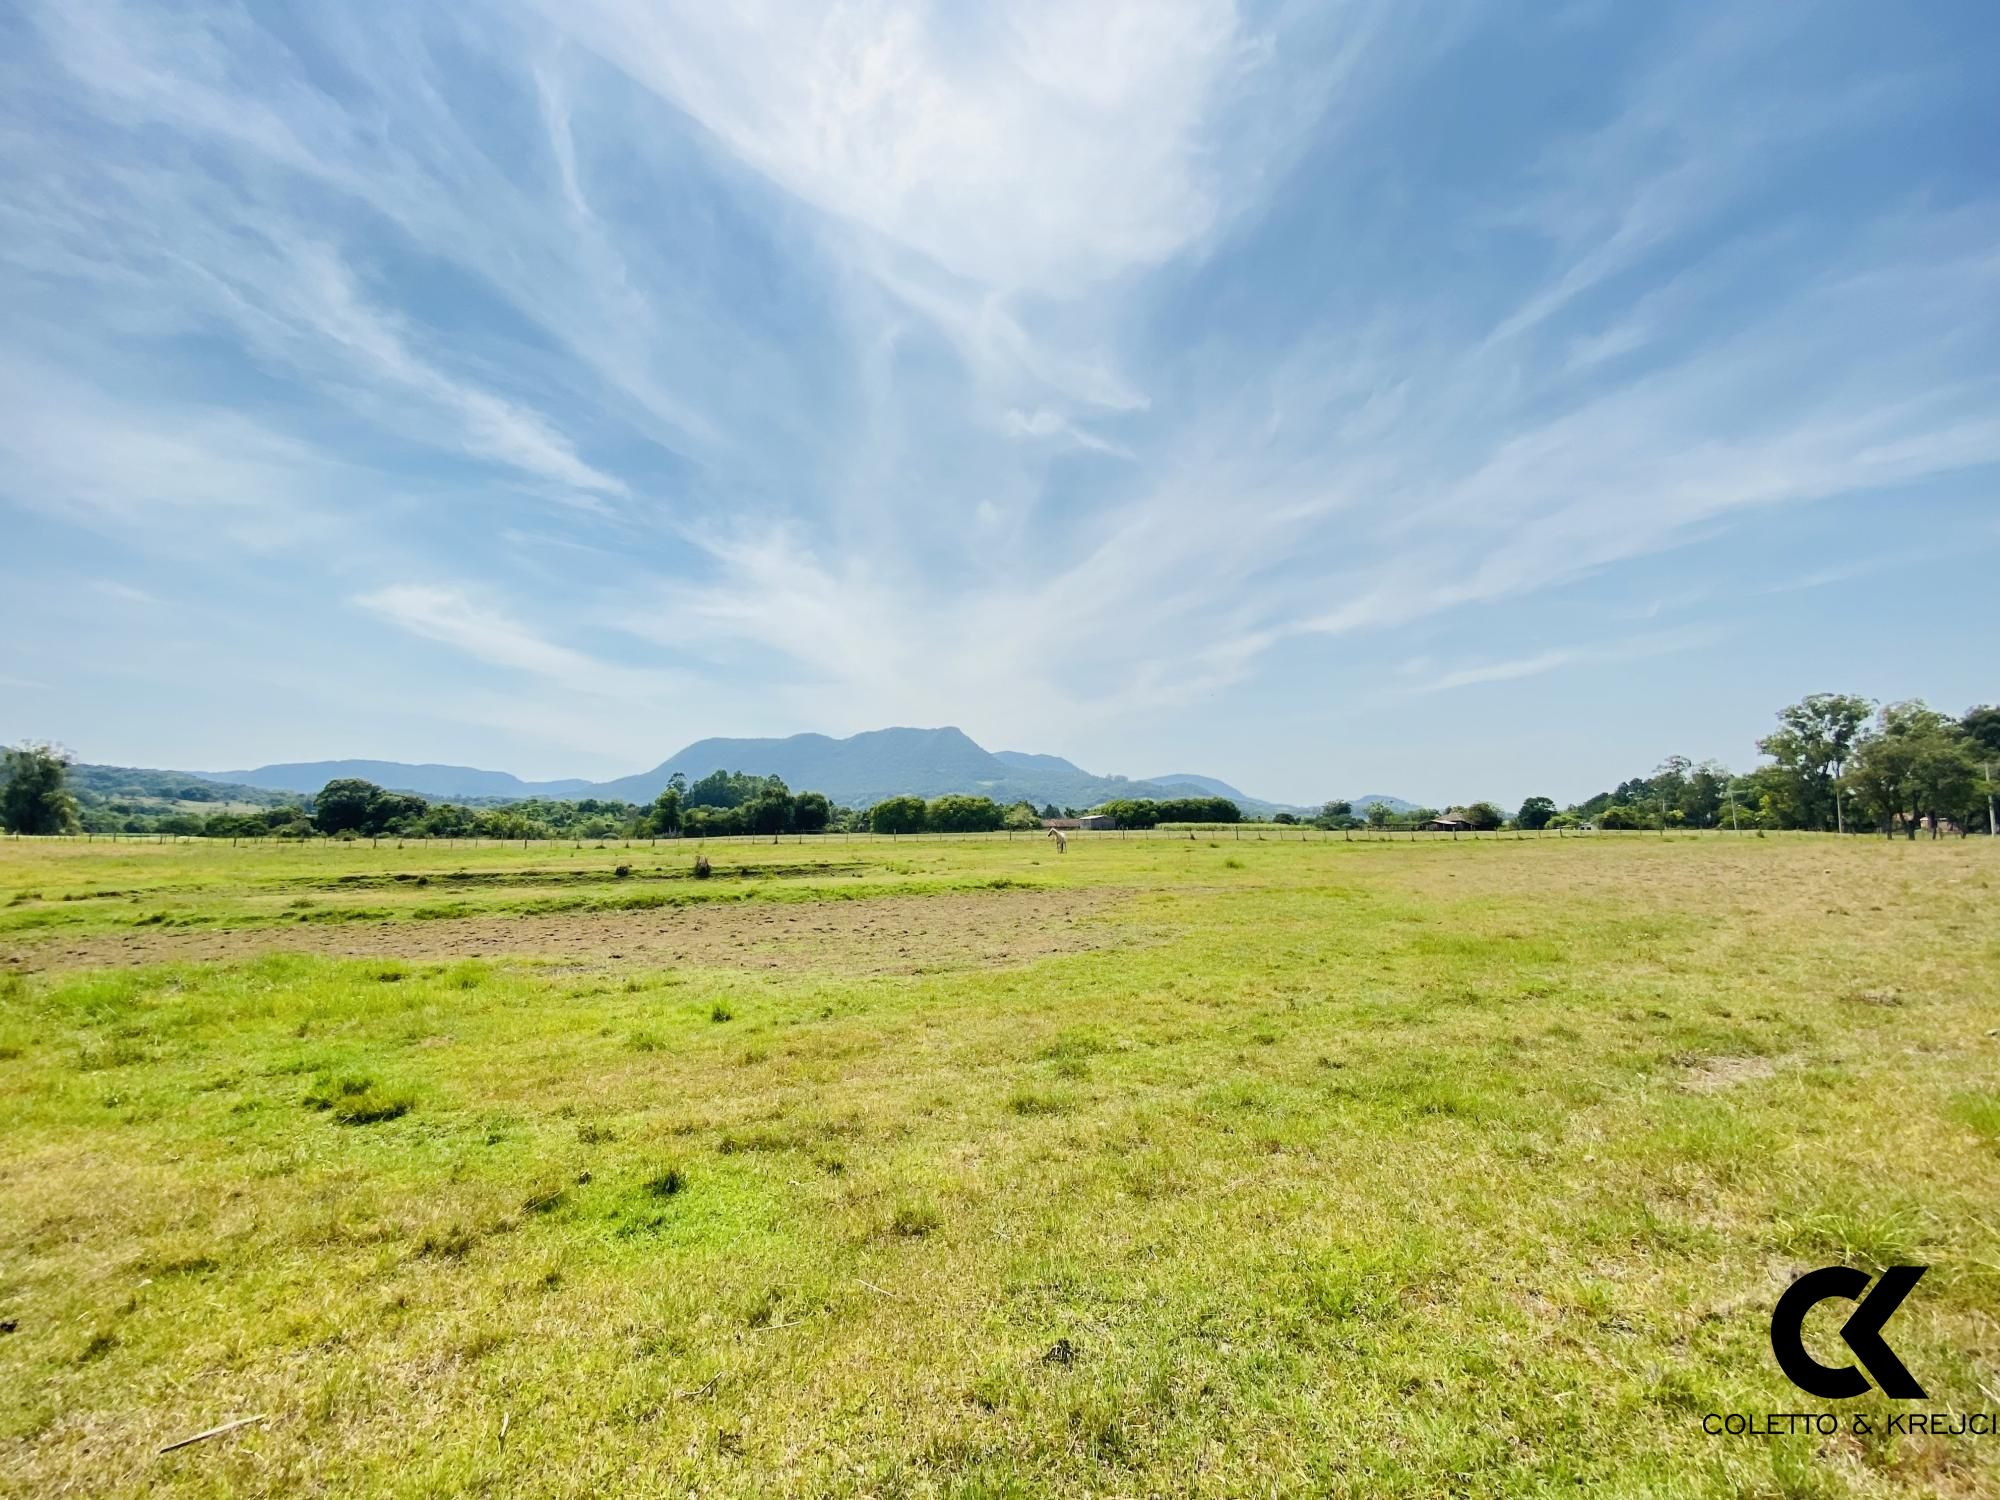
x,y
36,799
1835,763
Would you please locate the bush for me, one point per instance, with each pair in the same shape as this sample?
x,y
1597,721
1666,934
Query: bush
x,y
1620,815
713,822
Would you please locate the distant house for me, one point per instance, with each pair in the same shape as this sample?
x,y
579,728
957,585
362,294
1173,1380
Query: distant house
x,y
1097,820
1063,823
1448,823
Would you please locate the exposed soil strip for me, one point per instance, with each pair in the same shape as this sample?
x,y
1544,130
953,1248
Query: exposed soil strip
x,y
879,935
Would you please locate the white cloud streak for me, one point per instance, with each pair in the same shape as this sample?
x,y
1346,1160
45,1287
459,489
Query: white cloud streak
x,y
1047,369
1634,648
452,617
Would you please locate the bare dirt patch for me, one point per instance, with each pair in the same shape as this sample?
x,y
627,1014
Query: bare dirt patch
x,y
1715,1073
880,935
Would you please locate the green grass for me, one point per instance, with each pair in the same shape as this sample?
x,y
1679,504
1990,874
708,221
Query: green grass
x,y
1307,1168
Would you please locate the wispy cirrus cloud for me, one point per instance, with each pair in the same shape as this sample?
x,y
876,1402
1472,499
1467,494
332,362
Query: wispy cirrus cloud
x,y
1026,148
453,617
1560,658
1088,376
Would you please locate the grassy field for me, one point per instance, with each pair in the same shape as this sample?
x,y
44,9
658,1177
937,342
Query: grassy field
x,y
957,1168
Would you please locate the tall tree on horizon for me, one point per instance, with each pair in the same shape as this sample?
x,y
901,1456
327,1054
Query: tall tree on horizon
x,y
36,797
1812,747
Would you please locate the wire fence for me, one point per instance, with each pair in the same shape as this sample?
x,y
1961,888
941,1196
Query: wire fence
x,y
1180,833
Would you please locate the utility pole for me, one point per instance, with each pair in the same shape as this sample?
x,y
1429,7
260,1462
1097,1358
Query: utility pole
x,y
1734,826
1992,828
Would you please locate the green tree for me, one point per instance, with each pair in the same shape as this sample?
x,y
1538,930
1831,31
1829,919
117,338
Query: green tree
x,y
1815,738
1668,787
342,805
1536,812
897,815
769,811
395,812
728,789
960,814
1982,734
1335,814
36,797
1707,791
1021,815
1379,815
1144,812
1915,763
712,822
811,812
665,815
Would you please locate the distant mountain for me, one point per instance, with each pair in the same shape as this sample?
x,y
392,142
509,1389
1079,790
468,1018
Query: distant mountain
x,y
1394,804
1021,760
132,784
862,768
865,768
856,771
1208,785
398,776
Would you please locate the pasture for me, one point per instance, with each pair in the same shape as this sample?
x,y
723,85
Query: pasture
x,y
952,1167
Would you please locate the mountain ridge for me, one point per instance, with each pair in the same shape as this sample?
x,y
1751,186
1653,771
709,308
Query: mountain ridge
x,y
855,771
426,779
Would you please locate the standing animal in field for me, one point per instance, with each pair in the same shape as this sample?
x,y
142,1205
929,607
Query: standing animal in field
x,y
1062,843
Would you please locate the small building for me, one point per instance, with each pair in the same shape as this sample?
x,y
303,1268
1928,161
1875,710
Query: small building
x,y
1448,823
1065,824
1097,820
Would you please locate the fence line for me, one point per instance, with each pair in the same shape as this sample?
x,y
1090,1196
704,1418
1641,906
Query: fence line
x,y
1215,832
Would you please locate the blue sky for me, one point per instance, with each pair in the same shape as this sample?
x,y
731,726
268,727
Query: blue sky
x,y
1446,401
